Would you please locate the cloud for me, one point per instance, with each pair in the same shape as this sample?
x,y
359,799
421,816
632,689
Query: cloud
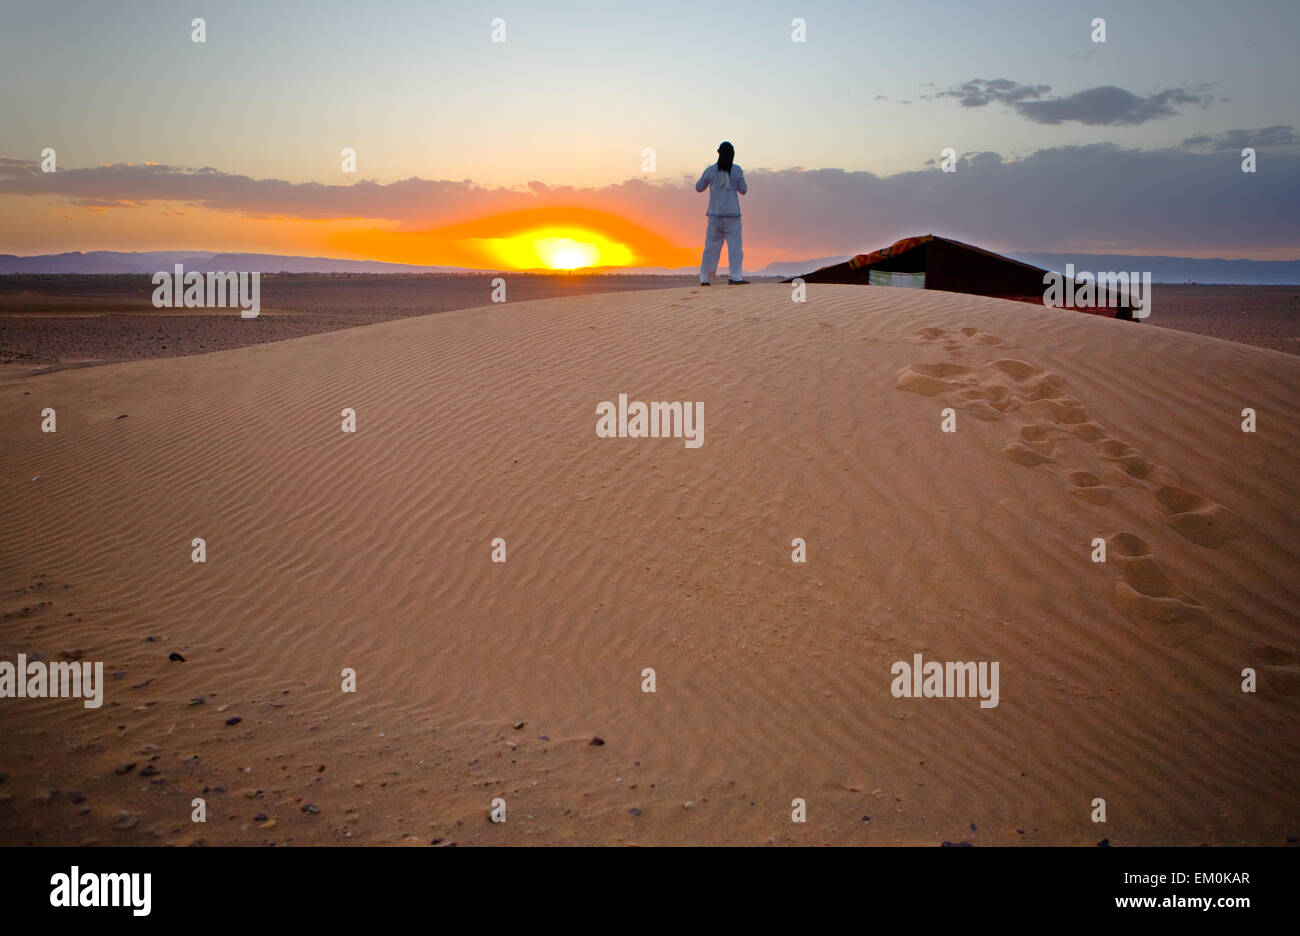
x,y
1235,140
1104,106
1110,106
1099,196
99,203
1188,198
979,92
409,199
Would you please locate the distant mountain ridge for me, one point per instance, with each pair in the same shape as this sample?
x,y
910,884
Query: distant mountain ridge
x,y
1175,269
154,261
795,267
1162,269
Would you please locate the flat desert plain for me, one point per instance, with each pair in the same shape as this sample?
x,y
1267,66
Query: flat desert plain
x,y
476,681
74,320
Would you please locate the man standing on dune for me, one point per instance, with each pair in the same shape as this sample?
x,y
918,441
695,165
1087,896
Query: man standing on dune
x,y
726,183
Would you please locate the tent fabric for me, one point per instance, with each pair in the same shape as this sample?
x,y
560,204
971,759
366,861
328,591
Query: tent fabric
x,y
893,250
944,264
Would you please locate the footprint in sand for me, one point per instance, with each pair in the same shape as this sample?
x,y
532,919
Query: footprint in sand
x,y
1087,430
1052,426
1018,371
932,379
1125,464
1030,453
1145,595
1193,517
1053,419
981,337
1006,386
1088,487
957,343
988,401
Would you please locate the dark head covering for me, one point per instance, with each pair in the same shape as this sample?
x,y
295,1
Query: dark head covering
x,y
726,153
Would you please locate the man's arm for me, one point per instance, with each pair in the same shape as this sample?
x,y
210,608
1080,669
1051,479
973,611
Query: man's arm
x,y
741,187
705,179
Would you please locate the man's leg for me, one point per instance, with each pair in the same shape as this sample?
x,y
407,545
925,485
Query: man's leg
x,y
713,238
735,255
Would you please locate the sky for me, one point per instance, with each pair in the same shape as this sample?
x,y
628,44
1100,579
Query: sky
x,y
473,152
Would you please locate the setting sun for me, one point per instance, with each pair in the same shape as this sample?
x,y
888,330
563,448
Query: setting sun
x,y
560,249
564,253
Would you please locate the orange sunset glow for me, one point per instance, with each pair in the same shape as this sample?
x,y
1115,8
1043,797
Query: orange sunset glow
x,y
550,238
544,238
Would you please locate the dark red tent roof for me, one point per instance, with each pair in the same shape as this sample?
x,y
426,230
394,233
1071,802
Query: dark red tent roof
x,y
948,265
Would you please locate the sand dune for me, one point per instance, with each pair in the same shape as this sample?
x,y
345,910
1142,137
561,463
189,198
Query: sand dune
x,y
372,550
